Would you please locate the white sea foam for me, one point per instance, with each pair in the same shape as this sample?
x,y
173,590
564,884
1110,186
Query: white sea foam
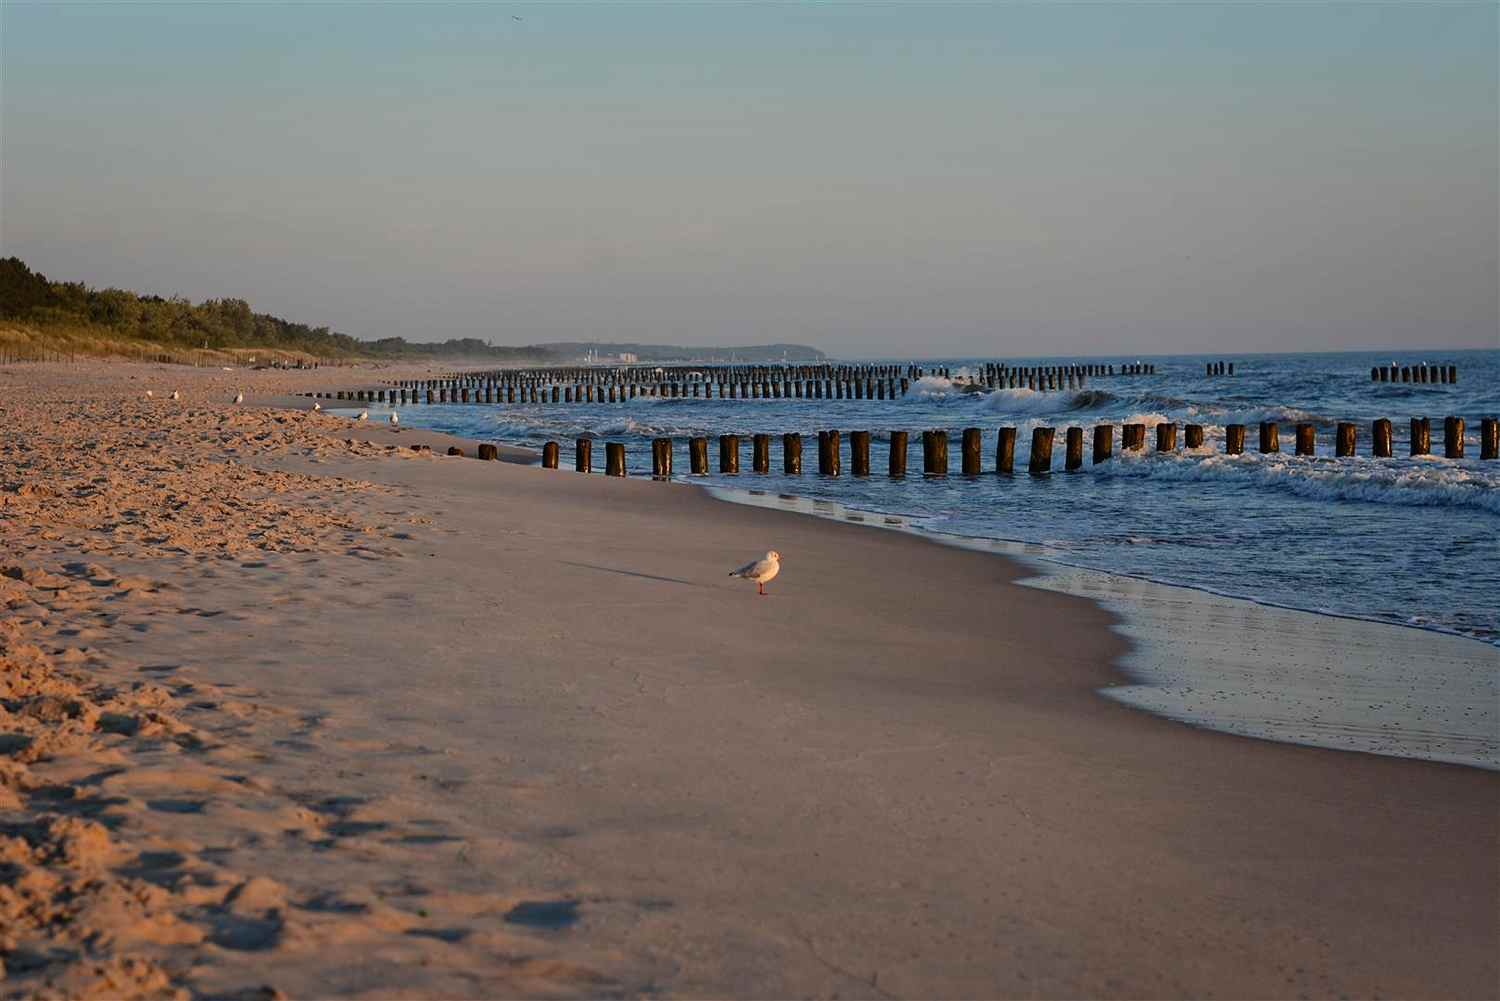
x,y
1421,482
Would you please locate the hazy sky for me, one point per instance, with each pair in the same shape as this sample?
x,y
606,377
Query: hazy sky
x,y
868,178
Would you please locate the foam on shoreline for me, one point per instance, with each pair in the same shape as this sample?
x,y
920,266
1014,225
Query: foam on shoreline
x,y
1257,670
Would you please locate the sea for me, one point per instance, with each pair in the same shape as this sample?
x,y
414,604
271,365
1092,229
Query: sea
x,y
1409,541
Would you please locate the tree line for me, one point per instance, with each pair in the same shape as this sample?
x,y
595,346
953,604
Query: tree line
x,y
28,297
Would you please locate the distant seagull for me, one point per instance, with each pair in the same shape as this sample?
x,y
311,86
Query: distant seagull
x,y
317,406
149,394
364,415
176,395
394,419
239,398
761,571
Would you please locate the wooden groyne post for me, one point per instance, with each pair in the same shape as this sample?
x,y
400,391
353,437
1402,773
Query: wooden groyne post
x,y
698,456
661,458
729,453
972,444
1489,438
1166,437
859,453
934,453
583,455
760,453
828,453
1104,442
1307,439
1453,437
791,454
1380,438
1005,452
614,458
1234,439
1343,439
1421,436
1041,451
1073,449
1270,437
897,465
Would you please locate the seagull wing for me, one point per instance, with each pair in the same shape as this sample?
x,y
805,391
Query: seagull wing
x,y
748,570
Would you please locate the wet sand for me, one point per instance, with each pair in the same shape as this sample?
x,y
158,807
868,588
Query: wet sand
x,y
337,719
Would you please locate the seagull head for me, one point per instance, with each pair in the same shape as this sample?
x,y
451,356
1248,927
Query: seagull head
x,y
773,556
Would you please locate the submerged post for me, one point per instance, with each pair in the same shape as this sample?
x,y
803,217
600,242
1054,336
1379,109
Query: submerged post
x,y
1005,451
972,443
1192,436
1343,443
1104,442
934,453
791,454
1489,438
729,453
760,453
859,453
1421,436
897,464
1380,436
1073,450
828,453
1234,439
1166,436
1133,437
1453,437
1270,437
1307,439
1041,451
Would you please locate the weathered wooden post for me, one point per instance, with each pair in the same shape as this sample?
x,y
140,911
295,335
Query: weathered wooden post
x,y
729,453
1166,437
1005,451
1041,451
791,454
1453,437
549,455
698,456
859,453
760,453
1133,437
972,443
1104,442
934,453
1192,436
1307,439
1380,437
1234,439
1270,437
828,453
1344,439
614,455
583,456
1073,449
455,450
489,453
1421,436
897,465
1489,438
661,458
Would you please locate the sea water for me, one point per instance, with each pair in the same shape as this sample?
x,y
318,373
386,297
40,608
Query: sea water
x,y
1406,540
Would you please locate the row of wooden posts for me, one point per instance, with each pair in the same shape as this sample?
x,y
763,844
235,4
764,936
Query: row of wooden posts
x,y
872,387
935,447
1445,374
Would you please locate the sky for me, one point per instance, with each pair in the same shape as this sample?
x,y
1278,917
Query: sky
x,y
874,179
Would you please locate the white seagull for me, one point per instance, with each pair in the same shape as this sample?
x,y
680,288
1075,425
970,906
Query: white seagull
x,y
149,394
317,406
762,571
364,415
239,398
394,420
176,395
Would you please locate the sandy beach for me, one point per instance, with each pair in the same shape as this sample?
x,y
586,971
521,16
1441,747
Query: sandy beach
x,y
292,709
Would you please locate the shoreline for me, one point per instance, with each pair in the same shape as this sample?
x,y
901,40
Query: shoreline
x,y
543,747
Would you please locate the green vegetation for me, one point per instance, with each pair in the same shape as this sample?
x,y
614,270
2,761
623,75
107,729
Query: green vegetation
x,y
69,317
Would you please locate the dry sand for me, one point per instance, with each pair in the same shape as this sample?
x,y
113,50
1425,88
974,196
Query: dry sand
x,y
287,710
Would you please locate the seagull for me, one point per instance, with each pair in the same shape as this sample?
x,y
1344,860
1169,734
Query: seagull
x,y
149,394
762,571
239,398
364,415
176,395
317,406
394,419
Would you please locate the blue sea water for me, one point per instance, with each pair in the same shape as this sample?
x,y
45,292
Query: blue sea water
x,y
1403,540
